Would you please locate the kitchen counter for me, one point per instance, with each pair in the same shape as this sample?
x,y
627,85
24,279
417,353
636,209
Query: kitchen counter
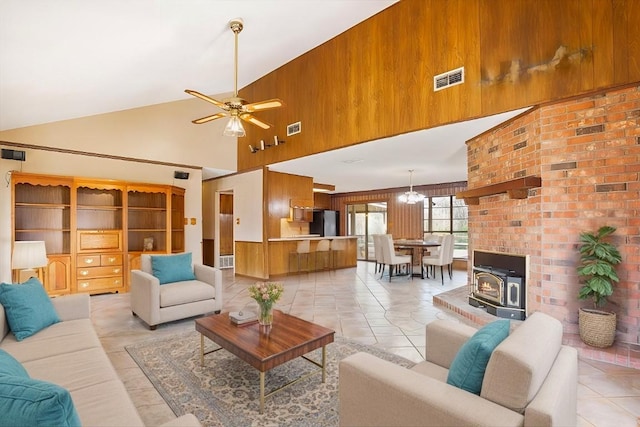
x,y
283,259
311,237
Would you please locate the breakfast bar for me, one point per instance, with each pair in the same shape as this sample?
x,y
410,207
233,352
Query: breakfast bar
x,y
283,261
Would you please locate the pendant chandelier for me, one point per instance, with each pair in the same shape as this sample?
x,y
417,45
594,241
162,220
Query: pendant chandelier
x,y
411,197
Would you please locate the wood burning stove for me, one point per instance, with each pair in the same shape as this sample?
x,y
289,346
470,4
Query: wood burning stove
x,y
501,291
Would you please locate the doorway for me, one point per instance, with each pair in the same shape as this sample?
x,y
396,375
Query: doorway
x,y
363,221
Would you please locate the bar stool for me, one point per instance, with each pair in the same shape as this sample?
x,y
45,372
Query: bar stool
x,y
303,250
337,245
322,249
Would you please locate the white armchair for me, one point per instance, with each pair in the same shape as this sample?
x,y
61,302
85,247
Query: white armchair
x,y
157,303
531,379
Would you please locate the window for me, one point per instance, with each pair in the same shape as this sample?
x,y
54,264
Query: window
x,y
444,215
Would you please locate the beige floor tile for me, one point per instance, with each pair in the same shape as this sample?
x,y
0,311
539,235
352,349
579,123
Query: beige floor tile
x,y
361,307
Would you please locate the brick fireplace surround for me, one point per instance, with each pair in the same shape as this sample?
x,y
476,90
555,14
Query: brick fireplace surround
x,y
587,153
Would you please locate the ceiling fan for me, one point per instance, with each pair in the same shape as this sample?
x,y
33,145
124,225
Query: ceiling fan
x,y
235,107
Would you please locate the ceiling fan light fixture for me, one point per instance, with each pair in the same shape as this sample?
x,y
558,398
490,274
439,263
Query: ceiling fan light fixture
x,y
235,106
411,197
234,127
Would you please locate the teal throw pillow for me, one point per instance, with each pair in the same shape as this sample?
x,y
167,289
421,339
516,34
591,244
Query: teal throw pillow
x,y
28,308
30,402
468,367
10,366
172,268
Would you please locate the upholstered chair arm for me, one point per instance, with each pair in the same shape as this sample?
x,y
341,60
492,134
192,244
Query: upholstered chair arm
x,y
145,296
212,276
187,420
559,392
72,307
444,339
375,392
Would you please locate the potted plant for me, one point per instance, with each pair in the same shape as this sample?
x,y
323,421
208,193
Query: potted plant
x,y
598,260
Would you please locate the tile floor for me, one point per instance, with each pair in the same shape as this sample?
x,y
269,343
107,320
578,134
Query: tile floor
x,y
359,306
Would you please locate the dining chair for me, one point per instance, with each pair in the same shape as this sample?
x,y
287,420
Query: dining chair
x,y
393,260
440,259
449,255
432,253
377,250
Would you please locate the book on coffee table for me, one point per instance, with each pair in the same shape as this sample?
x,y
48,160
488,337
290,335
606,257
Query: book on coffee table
x,y
242,317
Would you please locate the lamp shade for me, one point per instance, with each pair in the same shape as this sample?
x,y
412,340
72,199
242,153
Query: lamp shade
x,y
411,197
234,127
28,254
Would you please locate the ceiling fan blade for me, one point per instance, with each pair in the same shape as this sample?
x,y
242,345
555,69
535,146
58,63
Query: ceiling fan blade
x,y
251,119
263,105
209,118
208,99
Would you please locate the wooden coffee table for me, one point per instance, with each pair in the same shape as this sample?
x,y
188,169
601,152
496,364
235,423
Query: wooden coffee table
x,y
265,348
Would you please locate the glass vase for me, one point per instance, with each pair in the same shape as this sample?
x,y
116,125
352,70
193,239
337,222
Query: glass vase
x,y
265,317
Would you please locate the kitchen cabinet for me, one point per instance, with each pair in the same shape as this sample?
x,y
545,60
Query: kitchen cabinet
x,y
300,210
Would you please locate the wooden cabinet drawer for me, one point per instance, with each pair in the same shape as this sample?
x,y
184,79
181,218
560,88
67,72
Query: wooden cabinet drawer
x,y
91,272
88,260
89,285
110,259
99,240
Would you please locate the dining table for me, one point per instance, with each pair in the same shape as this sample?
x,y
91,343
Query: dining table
x,y
417,249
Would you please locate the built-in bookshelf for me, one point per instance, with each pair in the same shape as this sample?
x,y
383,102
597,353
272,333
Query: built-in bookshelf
x,y
95,230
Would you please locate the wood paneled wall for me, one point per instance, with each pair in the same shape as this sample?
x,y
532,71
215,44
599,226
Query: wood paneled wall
x,y
250,260
281,188
376,79
226,224
403,221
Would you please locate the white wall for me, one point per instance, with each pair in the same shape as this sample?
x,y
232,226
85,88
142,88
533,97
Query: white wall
x,y
162,133
55,163
247,189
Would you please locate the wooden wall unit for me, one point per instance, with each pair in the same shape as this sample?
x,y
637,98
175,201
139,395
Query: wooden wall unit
x,y
42,211
94,230
376,79
177,220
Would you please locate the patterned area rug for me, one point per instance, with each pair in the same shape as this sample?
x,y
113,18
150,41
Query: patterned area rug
x,y
226,391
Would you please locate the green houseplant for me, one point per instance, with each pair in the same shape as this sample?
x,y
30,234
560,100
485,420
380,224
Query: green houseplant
x,y
597,267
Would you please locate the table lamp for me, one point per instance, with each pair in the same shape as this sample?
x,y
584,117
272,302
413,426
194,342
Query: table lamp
x,y
28,259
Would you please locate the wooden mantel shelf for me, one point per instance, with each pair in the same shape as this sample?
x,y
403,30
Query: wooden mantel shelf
x,y
516,188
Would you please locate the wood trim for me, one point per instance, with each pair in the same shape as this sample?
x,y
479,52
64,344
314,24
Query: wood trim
x,y
516,189
90,154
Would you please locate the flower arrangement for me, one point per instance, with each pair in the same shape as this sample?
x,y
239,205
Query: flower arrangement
x,y
266,294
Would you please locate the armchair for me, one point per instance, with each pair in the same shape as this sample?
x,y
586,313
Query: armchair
x,y
530,379
157,303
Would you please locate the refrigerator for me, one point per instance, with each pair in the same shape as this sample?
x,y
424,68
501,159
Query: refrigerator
x,y
325,223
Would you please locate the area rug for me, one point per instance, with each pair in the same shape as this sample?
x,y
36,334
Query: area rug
x,y
226,391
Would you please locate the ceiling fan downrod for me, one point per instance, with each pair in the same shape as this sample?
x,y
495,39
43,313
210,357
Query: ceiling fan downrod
x,y
236,26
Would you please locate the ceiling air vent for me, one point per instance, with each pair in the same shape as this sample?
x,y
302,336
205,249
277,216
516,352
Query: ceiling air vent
x,y
450,78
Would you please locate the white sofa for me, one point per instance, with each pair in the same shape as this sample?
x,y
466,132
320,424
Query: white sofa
x,y
155,303
530,380
70,355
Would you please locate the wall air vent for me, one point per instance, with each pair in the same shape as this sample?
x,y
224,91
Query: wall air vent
x,y
450,78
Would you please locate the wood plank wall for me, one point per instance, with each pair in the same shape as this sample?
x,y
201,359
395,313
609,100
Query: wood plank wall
x,y
376,79
280,189
403,221
226,224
